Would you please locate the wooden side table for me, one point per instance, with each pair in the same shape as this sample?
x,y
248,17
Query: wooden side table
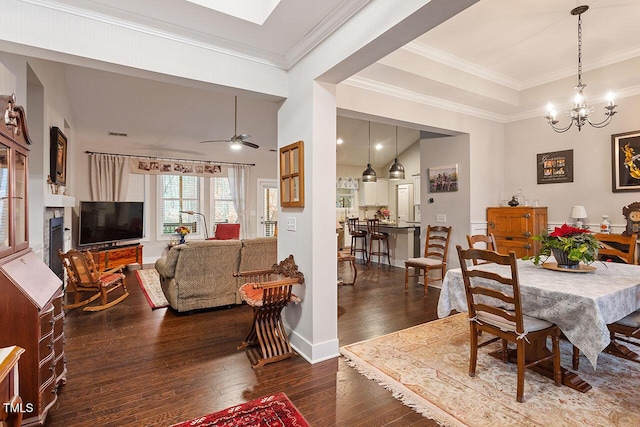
x,y
12,408
345,256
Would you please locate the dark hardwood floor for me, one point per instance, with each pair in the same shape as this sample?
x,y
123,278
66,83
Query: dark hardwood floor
x,y
131,366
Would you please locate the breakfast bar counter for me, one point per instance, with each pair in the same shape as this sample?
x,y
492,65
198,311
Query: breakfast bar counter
x,y
404,242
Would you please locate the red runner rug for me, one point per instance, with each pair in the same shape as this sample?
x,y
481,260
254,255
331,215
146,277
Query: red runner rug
x,y
149,281
275,410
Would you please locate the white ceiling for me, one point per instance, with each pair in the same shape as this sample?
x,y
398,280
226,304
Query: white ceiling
x,y
481,61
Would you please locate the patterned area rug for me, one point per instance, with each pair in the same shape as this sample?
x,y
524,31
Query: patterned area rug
x,y
427,368
150,283
275,410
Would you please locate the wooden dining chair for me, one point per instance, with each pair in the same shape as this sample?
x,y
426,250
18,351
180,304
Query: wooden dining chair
x,y
436,249
488,240
486,312
618,248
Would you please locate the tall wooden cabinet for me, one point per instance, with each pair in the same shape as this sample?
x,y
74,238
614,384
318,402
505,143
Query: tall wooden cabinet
x,y
513,228
31,314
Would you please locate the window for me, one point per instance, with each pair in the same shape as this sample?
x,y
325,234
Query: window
x,y
178,193
222,208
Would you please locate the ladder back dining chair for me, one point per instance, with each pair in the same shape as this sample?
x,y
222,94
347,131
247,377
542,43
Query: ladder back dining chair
x,y
486,299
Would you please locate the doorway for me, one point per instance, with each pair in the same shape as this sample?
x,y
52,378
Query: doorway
x,y
268,207
405,202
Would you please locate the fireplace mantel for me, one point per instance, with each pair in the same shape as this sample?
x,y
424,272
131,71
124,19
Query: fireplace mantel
x,y
58,201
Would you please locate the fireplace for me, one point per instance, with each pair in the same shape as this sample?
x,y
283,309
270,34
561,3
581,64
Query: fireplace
x,y
56,242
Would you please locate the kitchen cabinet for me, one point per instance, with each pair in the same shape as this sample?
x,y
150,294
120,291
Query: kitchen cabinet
x,y
514,227
416,190
374,193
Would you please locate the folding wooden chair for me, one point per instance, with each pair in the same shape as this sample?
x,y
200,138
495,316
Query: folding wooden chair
x,y
268,292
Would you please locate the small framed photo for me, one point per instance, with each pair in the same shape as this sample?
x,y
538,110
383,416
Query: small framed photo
x,y
625,161
443,179
58,156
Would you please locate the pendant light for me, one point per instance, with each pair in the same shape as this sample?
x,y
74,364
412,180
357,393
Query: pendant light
x,y
369,175
396,171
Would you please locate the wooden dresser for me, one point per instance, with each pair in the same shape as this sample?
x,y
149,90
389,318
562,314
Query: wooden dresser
x,y
31,314
514,227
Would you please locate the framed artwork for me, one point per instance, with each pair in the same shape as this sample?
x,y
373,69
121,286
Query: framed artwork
x,y
58,156
443,179
555,167
292,175
625,161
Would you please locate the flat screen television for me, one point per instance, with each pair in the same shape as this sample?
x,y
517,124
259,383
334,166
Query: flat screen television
x,y
110,222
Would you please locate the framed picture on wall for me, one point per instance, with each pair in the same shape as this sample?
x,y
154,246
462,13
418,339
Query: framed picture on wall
x,y
555,167
58,156
443,179
625,161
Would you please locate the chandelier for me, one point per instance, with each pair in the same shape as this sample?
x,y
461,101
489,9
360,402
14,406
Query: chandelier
x,y
579,114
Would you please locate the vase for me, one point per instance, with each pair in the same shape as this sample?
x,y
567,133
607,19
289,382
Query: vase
x,y
605,226
181,240
562,258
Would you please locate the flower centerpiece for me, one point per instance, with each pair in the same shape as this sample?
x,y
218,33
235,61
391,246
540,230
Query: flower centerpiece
x,y
568,245
385,213
182,231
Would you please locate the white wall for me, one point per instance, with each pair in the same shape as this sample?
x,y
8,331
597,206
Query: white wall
x,y
591,186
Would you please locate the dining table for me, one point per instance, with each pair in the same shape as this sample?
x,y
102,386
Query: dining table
x,y
582,302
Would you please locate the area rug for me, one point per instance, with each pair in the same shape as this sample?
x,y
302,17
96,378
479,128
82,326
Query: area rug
x,y
275,410
427,368
150,283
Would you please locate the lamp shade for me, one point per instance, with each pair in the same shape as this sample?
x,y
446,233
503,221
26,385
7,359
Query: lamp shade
x,y
369,175
578,212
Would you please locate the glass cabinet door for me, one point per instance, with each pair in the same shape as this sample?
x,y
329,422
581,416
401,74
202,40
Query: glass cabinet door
x,y
4,199
20,201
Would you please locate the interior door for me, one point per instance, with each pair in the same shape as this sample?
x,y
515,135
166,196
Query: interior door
x,y
405,202
267,207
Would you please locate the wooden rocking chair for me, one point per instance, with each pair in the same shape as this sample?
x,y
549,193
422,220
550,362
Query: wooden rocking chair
x,y
84,276
268,292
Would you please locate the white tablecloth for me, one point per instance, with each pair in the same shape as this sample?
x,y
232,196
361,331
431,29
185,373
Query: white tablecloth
x,y
581,304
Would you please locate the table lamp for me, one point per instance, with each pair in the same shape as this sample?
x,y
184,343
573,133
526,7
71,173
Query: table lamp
x,y
578,212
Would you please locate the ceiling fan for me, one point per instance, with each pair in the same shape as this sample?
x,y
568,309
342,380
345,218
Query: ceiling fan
x,y
236,140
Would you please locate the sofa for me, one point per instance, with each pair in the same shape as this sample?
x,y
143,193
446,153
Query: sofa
x,y
199,274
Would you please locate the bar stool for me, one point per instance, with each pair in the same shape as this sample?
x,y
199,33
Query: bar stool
x,y
357,234
373,227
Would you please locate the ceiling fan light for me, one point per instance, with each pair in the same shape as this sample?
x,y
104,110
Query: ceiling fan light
x,y
396,171
369,174
236,145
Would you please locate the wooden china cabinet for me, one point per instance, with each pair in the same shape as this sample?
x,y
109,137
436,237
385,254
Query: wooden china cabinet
x,y
514,227
31,314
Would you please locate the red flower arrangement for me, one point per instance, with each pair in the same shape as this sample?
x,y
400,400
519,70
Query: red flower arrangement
x,y
578,243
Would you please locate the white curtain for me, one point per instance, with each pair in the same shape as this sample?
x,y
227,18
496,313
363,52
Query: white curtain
x,y
109,177
239,178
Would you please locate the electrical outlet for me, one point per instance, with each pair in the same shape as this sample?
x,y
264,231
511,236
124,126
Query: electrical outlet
x,y
441,218
291,224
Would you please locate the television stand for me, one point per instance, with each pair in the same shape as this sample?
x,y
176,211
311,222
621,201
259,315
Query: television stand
x,y
111,257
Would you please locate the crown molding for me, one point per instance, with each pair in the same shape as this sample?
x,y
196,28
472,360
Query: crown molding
x,y
431,53
217,44
386,89
324,29
458,63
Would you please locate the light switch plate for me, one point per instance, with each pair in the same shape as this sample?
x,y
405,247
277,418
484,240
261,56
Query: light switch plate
x,y
291,224
441,218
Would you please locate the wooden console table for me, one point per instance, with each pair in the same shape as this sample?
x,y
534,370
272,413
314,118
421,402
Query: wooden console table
x,y
112,257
